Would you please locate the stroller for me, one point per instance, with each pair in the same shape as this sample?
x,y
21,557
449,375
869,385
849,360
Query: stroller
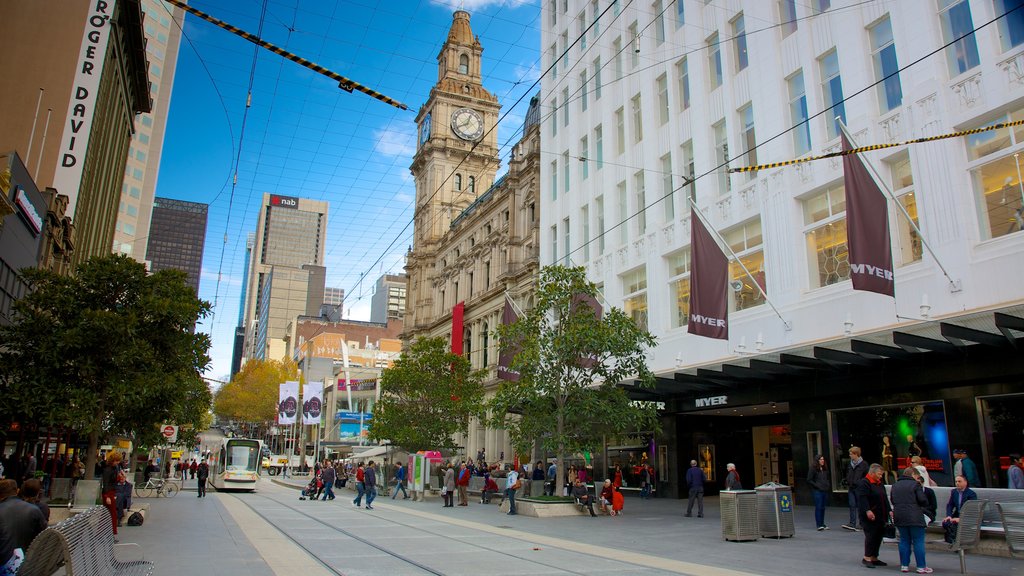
x,y
312,489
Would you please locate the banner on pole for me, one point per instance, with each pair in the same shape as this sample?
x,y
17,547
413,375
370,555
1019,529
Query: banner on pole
x,y
867,228
288,402
505,356
312,403
709,305
457,313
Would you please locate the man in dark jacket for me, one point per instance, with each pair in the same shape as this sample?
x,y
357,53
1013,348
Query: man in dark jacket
x,y
370,480
202,473
328,475
874,509
582,495
957,499
20,522
856,472
695,480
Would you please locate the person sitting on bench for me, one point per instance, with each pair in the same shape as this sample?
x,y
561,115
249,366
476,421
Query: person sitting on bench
x,y
583,497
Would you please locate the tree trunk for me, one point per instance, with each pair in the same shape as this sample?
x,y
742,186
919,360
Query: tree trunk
x,y
92,452
559,476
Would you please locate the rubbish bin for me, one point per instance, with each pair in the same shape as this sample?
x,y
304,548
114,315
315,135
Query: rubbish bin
x,y
775,510
739,514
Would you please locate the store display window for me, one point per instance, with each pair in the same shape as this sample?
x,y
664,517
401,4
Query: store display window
x,y
1002,419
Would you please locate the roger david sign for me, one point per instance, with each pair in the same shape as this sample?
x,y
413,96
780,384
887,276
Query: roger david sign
x,y
67,177
284,201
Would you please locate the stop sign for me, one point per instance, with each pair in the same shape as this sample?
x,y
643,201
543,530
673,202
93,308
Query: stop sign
x,y
168,431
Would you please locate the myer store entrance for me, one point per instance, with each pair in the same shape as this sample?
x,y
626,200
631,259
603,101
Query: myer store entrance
x,y
757,439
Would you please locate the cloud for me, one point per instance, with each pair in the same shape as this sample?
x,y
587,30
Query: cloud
x,y
396,142
225,279
527,72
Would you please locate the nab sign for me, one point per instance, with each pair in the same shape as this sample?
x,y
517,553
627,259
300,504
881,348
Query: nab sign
x,y
284,202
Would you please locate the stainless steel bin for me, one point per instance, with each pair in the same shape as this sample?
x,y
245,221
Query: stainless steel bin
x,y
775,510
739,514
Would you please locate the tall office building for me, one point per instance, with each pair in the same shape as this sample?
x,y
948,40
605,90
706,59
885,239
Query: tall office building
x,y
177,236
162,26
388,298
81,82
283,279
334,296
650,107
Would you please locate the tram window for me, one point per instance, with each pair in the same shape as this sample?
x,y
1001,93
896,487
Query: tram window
x,y
243,457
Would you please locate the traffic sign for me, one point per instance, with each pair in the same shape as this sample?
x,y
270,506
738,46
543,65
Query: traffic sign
x,y
170,432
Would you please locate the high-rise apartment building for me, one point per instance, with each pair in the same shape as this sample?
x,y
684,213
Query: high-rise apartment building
x,y
651,107
285,272
388,299
82,82
177,237
162,25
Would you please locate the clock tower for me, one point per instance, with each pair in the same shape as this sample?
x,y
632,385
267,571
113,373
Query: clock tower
x,y
456,157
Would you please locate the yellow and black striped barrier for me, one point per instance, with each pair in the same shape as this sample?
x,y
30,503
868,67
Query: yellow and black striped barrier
x,y
344,83
878,147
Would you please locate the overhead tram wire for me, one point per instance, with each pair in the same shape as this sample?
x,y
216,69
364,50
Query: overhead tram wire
x,y
790,129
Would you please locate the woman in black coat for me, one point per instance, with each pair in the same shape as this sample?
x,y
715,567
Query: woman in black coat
x,y
821,486
908,510
874,510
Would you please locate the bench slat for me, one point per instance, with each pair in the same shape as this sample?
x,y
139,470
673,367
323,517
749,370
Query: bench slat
x,y
84,545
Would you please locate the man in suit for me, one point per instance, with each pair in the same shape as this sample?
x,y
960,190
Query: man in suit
x,y
957,498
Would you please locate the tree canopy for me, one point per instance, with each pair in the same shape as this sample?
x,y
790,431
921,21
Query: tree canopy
x,y
252,394
570,360
427,397
111,350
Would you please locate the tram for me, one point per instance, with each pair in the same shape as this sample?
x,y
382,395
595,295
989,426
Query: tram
x,y
236,464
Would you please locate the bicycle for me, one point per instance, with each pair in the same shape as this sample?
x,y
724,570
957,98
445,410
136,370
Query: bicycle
x,y
159,486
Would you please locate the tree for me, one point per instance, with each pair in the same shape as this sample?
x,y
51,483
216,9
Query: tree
x,y
111,350
427,397
252,394
570,360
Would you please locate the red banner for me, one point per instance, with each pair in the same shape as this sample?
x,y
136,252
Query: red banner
x,y
589,304
505,356
867,228
709,306
457,313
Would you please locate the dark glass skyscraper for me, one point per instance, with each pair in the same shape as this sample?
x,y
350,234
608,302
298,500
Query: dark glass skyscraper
x,y
177,234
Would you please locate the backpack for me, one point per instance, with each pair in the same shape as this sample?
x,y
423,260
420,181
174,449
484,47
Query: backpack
x,y
136,519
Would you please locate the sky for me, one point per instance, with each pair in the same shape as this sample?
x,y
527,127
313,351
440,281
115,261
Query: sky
x,y
303,136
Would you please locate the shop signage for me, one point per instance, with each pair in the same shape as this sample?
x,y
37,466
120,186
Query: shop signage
x,y
712,401
28,210
67,178
645,403
284,201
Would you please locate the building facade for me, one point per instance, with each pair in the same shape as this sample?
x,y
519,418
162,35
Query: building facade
x,y
177,236
646,110
162,25
388,298
82,80
487,250
285,269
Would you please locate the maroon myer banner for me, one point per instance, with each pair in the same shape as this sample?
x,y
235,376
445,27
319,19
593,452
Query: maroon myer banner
x,y
867,228
588,302
709,304
457,313
505,356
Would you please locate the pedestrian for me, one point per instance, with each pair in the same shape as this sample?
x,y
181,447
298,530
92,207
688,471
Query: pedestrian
x,y
732,479
400,482
284,469
965,467
490,488
916,462
618,501
329,476
608,497
108,484
874,511
512,483
31,492
192,469
20,523
449,486
150,470
617,482
360,486
582,495
167,468
370,480
909,503
821,486
957,498
695,480
463,484
1015,474
646,481
552,479
854,474
202,473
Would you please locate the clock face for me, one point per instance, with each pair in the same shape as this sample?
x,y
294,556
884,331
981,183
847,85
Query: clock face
x,y
425,129
468,124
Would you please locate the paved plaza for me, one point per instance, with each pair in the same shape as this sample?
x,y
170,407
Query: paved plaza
x,y
272,532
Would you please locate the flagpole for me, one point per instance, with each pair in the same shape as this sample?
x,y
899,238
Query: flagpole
x,y
954,286
722,243
512,301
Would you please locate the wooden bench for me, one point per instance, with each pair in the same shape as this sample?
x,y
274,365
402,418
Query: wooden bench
x,y
82,544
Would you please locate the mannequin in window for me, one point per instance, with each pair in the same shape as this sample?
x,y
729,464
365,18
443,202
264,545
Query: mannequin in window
x,y
888,460
913,448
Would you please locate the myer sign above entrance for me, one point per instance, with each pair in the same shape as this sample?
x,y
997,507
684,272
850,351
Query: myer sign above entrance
x,y
284,201
712,401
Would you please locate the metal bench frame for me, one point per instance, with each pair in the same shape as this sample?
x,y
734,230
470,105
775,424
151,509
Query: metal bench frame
x,y
84,545
968,534
1012,515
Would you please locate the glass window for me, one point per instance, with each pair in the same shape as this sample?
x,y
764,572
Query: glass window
x,y
584,155
659,23
747,137
634,304
599,147
683,74
641,202
995,175
798,114
565,172
787,17
883,55
597,78
714,61
634,37
623,213
620,131
458,181
554,179
585,218
909,242
746,242
553,51
824,5
599,208
147,120
617,50
679,286
472,184
832,93
955,19
680,13
1002,421
567,238
554,243
565,51
616,7
689,171
565,107
722,158
581,26
828,259
583,90
1011,26
662,84
739,41
553,11
132,210
667,196
554,117
595,11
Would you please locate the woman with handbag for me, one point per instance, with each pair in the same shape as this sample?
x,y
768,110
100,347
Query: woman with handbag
x,y
874,510
908,509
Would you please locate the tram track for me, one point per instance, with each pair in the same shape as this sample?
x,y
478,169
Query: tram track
x,y
246,501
